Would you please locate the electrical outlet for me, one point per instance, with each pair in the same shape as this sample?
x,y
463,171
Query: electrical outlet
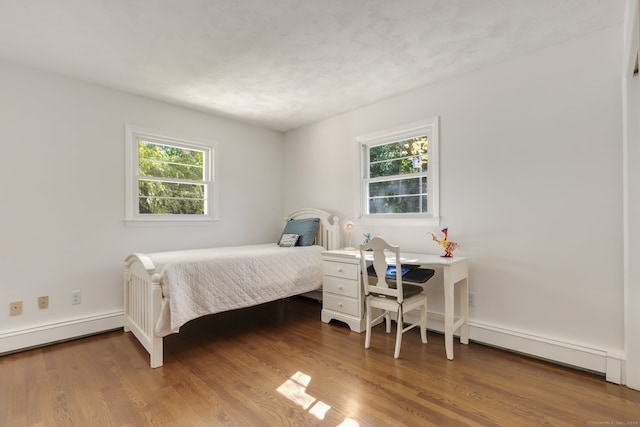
x,y
43,302
472,299
76,297
15,308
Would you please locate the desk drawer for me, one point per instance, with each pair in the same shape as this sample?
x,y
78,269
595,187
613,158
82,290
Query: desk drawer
x,y
339,269
344,287
341,304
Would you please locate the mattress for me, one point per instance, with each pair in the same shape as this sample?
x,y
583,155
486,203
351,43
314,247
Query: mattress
x,y
207,281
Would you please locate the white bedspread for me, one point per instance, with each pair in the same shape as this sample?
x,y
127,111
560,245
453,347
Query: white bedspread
x,y
206,281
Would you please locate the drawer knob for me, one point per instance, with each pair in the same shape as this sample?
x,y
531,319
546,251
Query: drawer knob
x,y
340,270
339,304
340,287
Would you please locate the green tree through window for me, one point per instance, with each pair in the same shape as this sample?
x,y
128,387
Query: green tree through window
x,y
399,173
397,177
171,180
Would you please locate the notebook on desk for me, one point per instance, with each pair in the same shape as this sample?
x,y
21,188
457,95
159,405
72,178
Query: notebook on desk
x,y
410,273
391,271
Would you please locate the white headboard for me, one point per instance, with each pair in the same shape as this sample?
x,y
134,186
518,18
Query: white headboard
x,y
328,234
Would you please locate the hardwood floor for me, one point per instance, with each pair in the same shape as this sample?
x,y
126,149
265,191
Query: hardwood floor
x,y
277,364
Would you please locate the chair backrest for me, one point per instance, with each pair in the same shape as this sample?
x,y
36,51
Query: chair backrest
x,y
378,285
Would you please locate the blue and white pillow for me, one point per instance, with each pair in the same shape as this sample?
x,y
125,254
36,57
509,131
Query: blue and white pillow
x,y
305,228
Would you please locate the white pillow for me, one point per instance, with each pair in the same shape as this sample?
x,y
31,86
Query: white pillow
x,y
289,240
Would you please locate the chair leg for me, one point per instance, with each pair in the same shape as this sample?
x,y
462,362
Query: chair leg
x,y
367,339
423,323
387,321
398,333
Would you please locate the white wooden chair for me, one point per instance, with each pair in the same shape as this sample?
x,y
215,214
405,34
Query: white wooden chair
x,y
385,295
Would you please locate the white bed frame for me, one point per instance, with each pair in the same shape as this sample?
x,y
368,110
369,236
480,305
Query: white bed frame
x,y
143,285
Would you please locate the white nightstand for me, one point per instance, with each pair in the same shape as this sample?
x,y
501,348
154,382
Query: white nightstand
x,y
342,289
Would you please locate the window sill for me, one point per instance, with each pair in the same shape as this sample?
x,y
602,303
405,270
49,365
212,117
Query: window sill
x,y
396,221
163,222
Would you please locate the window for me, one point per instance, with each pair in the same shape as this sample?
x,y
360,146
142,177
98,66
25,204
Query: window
x,y
168,177
400,172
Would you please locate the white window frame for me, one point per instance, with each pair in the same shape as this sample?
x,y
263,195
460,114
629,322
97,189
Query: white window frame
x,y
133,134
429,127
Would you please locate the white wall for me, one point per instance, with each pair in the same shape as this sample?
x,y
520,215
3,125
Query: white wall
x,y
530,172
631,146
62,198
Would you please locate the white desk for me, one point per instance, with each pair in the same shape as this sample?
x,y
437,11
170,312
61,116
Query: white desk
x,y
456,272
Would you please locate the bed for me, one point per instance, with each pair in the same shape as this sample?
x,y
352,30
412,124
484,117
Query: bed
x,y
165,290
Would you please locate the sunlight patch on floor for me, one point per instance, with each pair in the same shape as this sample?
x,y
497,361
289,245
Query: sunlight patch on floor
x,y
295,389
348,422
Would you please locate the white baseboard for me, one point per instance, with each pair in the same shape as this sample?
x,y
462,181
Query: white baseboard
x,y
61,331
592,359
603,361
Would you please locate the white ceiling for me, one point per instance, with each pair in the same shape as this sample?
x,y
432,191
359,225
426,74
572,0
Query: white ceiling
x,y
282,64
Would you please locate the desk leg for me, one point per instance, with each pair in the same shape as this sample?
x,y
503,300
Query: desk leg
x,y
449,309
464,310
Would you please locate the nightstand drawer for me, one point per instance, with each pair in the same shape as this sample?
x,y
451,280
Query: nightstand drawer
x,y
339,286
341,304
339,269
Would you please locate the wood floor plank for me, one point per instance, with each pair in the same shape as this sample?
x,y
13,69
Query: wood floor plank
x,y
277,364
